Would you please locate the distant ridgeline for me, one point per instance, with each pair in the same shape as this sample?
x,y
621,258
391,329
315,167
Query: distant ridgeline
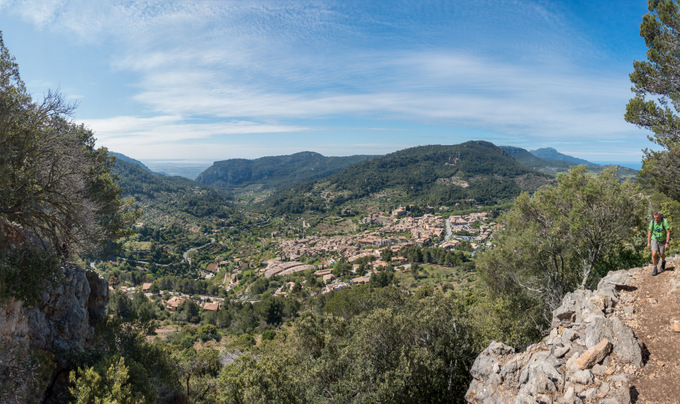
x,y
474,172
275,172
471,173
550,161
160,196
127,159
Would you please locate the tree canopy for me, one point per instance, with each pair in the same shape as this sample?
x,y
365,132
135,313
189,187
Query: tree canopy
x,y
57,195
53,182
656,103
563,237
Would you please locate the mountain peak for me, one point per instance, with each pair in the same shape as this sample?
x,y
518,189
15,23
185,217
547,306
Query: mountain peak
x,y
550,153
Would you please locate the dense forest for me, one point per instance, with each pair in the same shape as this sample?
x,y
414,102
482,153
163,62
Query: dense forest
x,y
275,172
473,173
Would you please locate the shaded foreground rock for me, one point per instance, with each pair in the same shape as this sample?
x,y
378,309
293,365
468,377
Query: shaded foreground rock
x,y
34,341
590,355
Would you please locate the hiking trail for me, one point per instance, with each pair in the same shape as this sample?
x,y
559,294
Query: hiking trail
x,y
656,303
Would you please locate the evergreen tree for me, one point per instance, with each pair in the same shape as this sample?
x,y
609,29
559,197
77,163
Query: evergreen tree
x,y
57,196
53,182
556,240
657,95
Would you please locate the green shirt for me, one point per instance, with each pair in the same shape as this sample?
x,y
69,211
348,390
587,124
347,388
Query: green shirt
x,y
659,229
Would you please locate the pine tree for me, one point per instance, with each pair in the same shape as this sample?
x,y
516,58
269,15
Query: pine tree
x,y
657,96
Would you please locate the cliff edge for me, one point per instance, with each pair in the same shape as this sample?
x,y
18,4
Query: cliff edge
x,y
617,344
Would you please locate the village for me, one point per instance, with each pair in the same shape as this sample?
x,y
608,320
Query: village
x,y
394,231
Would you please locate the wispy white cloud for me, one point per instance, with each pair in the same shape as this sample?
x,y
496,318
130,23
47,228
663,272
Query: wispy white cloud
x,y
208,69
443,88
169,129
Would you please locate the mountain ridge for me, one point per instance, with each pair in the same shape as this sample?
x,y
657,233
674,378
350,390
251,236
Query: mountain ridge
x,y
550,153
123,157
275,172
434,175
158,194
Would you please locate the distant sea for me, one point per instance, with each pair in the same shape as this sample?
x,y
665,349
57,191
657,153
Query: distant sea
x,y
630,164
184,168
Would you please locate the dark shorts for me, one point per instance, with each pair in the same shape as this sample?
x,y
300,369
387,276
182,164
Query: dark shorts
x,y
659,246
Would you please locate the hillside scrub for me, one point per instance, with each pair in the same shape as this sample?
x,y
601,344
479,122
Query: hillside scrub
x,y
564,237
418,351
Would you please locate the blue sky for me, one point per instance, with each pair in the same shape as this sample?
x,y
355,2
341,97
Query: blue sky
x,y
212,80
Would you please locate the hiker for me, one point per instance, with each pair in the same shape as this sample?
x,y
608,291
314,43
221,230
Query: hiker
x,y
658,239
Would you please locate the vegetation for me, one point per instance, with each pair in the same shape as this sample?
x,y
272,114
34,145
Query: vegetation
x,y
476,173
274,172
57,195
165,200
564,237
656,103
405,336
419,351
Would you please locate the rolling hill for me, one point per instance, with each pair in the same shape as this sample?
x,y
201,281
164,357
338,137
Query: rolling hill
x,y
164,199
274,172
471,173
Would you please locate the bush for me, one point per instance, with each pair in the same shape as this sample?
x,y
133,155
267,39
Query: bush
x,y
268,335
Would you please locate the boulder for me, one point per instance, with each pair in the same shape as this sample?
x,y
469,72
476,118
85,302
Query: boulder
x,y
590,357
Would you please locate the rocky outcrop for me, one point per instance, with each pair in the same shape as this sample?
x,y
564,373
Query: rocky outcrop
x,y
590,355
35,341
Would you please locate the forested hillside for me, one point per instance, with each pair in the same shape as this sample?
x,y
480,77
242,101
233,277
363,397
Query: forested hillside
x,y
164,199
274,172
472,173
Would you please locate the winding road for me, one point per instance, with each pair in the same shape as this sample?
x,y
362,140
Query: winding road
x,y
186,253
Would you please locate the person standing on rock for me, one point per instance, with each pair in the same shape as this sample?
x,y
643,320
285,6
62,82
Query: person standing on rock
x,y
658,237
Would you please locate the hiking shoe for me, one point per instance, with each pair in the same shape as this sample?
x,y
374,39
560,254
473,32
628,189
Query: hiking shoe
x,y
663,266
654,272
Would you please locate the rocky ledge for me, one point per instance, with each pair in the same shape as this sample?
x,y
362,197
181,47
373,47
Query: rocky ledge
x,y
591,354
64,315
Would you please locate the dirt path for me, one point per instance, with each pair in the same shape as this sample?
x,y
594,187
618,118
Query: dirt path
x,y
657,308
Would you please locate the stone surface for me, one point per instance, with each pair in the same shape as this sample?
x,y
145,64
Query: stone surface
x,y
582,376
98,298
61,322
676,327
561,350
592,356
587,357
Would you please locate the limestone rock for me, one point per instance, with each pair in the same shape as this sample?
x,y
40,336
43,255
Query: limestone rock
x,y
561,350
587,331
98,298
61,322
584,376
592,356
